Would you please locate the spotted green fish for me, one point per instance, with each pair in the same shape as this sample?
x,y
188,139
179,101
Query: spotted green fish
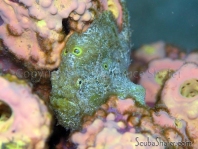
x,y
94,67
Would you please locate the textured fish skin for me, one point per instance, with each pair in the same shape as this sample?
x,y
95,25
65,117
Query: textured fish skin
x,y
94,67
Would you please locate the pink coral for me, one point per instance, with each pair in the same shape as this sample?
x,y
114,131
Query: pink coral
x,y
32,30
39,79
124,124
192,57
164,119
26,120
142,56
151,51
158,50
154,77
180,97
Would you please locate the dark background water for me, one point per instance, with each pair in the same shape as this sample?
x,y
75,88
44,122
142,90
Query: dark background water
x,y
173,21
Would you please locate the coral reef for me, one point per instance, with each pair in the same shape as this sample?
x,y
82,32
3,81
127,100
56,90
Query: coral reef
x,y
142,56
94,66
181,93
125,124
25,121
36,31
33,30
74,56
39,79
154,77
176,92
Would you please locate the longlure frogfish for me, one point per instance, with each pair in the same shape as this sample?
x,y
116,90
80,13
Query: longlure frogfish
x,y
93,68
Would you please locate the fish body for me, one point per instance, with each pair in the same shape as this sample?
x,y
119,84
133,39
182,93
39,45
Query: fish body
x,y
93,68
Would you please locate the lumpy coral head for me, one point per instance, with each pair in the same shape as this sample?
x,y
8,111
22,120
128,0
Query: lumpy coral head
x,y
150,52
159,70
32,29
121,124
180,96
24,119
94,66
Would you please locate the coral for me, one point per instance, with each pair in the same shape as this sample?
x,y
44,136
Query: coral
x,y
192,57
142,56
94,66
158,50
7,66
125,124
24,119
162,118
32,30
92,40
116,8
180,97
154,77
39,80
174,52
151,51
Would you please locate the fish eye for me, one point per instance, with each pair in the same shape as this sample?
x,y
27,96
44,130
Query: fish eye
x,y
77,51
105,66
79,82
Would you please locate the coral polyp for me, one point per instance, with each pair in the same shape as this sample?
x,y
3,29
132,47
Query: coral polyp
x,y
94,66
